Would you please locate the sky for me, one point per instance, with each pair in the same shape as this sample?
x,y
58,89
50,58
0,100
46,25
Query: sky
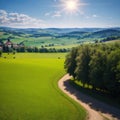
x,y
59,13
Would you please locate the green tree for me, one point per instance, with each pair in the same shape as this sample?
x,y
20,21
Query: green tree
x,y
82,69
0,53
97,69
112,74
70,62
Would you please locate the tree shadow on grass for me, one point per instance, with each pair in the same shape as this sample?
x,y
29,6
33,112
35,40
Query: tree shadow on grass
x,y
72,88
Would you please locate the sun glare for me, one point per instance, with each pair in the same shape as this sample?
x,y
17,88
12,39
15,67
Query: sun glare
x,y
71,6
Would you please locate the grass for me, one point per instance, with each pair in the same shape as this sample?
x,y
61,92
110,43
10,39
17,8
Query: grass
x,y
45,41
69,46
41,41
113,41
29,91
1,33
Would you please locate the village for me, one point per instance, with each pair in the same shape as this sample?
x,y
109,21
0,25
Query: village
x,y
9,46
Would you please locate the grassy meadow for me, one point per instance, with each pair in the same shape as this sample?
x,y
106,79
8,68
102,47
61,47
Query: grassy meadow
x,y
29,91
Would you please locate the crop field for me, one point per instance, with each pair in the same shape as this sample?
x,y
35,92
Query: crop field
x,y
46,41
29,91
39,41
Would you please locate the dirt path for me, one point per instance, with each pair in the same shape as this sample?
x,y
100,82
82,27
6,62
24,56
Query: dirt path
x,y
96,109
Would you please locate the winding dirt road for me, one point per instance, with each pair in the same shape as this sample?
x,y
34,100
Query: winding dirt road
x,y
96,109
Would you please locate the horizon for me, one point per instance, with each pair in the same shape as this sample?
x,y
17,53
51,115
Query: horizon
x,y
60,27
60,14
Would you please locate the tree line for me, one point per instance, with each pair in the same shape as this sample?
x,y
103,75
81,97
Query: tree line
x,y
97,65
41,50
34,50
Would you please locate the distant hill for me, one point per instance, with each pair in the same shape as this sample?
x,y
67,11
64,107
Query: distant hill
x,y
68,30
98,34
104,33
55,30
58,36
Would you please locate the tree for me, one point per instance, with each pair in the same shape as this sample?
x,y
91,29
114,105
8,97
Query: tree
x,y
36,49
97,65
97,69
70,62
83,60
112,75
0,53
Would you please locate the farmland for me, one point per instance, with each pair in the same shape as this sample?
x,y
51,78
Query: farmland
x,y
28,81
58,38
28,88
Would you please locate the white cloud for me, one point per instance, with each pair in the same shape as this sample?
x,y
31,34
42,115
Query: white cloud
x,y
91,16
57,14
95,16
3,12
54,14
3,17
19,20
87,17
47,14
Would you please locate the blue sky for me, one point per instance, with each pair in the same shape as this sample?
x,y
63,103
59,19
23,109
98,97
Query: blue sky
x,y
59,13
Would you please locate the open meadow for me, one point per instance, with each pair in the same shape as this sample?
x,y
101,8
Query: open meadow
x,y
29,91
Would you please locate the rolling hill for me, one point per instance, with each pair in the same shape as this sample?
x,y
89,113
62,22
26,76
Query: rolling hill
x,y
58,36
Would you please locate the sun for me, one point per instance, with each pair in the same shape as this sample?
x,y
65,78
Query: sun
x,y
71,6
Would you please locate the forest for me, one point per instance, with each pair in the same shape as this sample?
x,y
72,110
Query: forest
x,y
96,65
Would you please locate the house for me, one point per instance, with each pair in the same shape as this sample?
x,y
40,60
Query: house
x,y
9,44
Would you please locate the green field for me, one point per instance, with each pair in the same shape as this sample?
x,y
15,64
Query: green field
x,y
28,89
40,41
